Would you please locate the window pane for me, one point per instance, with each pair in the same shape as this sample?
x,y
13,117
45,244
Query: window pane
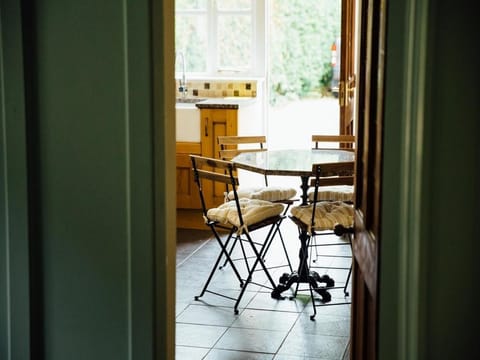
x,y
234,41
234,4
190,4
191,38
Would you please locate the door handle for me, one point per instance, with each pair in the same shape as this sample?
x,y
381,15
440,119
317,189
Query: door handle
x,y
341,93
206,127
345,91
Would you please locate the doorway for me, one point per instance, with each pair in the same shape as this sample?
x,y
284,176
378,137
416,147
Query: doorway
x,y
318,90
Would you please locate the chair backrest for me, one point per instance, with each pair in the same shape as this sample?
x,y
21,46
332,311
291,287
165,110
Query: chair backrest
x,y
331,174
216,170
346,142
229,146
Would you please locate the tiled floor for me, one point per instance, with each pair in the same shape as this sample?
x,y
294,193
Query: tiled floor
x,y
265,328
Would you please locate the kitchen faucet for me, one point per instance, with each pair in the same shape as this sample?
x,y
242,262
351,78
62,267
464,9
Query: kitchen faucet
x,y
183,82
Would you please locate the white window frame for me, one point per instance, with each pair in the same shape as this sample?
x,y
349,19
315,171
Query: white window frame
x,y
258,54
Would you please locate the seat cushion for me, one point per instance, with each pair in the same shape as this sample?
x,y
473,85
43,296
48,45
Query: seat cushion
x,y
333,193
253,211
270,193
327,215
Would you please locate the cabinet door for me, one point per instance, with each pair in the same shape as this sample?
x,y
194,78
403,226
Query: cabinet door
x,y
187,191
214,123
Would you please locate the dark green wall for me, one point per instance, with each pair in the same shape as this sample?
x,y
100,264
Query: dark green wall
x,y
453,111
14,248
86,117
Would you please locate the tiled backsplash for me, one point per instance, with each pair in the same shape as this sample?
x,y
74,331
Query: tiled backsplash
x,y
220,88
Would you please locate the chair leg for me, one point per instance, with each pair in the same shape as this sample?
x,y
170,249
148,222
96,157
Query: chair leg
x,y
214,268
346,293
238,239
312,317
284,247
279,232
350,270
258,259
230,252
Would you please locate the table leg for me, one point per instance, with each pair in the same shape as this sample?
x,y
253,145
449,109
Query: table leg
x,y
304,186
304,275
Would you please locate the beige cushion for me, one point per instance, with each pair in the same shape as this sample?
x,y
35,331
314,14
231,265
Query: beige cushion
x,y
333,193
253,211
327,214
270,193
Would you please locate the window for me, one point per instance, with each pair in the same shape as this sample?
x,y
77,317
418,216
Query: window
x,y
221,37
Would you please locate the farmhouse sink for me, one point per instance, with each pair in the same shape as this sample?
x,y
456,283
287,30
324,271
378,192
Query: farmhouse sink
x,y
187,122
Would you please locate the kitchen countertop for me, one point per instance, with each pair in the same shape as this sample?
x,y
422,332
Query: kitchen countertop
x,y
225,103
218,103
233,102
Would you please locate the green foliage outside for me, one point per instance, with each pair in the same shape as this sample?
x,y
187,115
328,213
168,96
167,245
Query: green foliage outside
x,y
301,36
301,33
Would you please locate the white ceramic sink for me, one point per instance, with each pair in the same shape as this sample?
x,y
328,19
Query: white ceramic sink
x,y
187,122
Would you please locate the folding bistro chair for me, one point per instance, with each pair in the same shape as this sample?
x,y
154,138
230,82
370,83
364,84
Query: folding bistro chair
x,y
334,191
237,217
231,146
331,216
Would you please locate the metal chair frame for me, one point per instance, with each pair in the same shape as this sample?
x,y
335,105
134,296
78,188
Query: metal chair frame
x,y
217,170
228,150
323,174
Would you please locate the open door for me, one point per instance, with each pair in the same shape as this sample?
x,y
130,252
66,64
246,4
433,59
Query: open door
x,y
368,182
346,87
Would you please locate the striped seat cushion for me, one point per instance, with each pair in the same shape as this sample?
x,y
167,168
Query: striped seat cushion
x,y
333,193
270,193
253,211
327,215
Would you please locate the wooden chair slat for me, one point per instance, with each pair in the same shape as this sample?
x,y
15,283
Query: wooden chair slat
x,y
235,140
229,154
343,141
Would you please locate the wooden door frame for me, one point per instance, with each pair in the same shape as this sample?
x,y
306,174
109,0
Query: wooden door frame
x,y
368,189
348,56
399,326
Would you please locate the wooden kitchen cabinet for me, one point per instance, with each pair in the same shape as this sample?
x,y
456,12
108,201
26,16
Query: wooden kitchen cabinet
x,y
213,122
216,122
189,215
187,191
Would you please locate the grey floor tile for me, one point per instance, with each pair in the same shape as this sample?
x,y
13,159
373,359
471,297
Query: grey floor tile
x,y
208,328
332,310
323,325
263,300
190,353
215,300
317,346
218,354
265,341
198,335
266,320
293,357
207,315
180,307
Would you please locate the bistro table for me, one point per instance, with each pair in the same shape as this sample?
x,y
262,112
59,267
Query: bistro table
x,y
296,162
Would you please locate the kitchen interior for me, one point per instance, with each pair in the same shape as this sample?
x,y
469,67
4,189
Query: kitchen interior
x,y
226,82
233,92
